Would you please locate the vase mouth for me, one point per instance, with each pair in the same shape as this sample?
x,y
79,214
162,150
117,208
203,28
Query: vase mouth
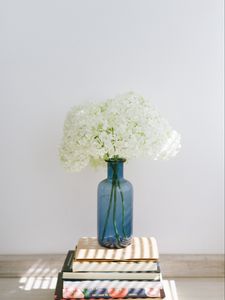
x,y
115,160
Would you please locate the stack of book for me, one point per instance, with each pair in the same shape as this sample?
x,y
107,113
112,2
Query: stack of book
x,y
94,272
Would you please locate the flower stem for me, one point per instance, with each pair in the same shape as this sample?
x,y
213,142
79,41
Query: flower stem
x,y
114,215
123,209
108,212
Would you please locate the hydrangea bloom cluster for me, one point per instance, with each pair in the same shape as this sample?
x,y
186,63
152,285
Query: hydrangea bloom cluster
x,y
126,126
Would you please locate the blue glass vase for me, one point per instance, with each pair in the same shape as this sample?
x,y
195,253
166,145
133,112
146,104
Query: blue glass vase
x,y
115,208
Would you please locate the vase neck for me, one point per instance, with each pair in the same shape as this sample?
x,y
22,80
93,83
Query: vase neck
x,y
115,169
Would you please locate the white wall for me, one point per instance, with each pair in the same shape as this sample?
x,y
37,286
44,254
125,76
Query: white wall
x,y
56,54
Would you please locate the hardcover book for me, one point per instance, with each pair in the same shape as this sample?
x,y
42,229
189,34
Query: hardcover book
x,y
138,270
141,248
119,266
58,295
111,276
58,288
112,289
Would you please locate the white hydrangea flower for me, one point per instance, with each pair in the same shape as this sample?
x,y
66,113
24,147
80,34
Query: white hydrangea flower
x,y
124,127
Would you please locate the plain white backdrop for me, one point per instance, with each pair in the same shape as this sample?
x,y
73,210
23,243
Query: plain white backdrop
x,y
56,54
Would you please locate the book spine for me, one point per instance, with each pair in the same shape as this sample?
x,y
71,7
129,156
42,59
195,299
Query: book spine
x,y
154,298
80,293
111,276
58,289
68,262
112,293
122,267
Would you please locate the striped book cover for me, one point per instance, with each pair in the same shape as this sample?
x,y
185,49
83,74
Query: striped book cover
x,y
112,266
112,289
83,270
58,294
141,248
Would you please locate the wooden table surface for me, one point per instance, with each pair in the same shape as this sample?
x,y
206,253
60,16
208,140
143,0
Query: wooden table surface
x,y
186,277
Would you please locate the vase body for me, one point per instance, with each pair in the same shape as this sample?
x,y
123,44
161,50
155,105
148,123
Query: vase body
x,y
115,208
